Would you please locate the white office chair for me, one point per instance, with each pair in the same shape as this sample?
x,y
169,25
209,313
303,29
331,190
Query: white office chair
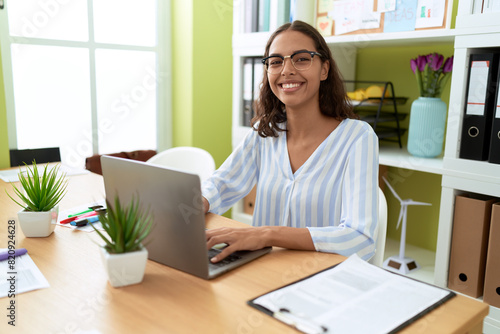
x,y
378,258
190,159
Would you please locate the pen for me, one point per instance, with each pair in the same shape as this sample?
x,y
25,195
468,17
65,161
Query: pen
x,y
85,221
17,252
80,213
70,219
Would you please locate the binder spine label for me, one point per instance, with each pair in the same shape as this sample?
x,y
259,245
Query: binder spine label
x,y
477,89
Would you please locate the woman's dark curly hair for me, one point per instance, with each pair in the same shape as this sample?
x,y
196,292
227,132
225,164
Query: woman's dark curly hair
x,y
332,95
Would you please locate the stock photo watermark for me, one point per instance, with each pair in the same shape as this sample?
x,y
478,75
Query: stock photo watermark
x,y
40,19
11,273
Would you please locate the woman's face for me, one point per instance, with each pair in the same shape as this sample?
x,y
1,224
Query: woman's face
x,y
296,89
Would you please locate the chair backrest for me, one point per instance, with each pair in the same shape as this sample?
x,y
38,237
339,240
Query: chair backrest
x,y
185,158
40,155
378,258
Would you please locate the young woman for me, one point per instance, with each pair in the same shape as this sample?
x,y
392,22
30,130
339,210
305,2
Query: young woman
x,y
314,163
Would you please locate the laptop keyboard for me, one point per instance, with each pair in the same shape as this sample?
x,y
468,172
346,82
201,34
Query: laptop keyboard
x,y
231,258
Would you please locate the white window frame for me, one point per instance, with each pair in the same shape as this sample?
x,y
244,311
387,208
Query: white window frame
x,y
163,71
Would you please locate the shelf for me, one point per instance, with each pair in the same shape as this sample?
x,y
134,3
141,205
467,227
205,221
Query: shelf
x,y
482,171
375,102
383,117
252,44
399,157
389,133
491,323
406,38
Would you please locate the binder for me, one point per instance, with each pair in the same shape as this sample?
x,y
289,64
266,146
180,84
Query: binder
x,y
477,7
264,12
258,74
479,103
248,68
492,276
494,154
327,302
251,16
283,12
471,225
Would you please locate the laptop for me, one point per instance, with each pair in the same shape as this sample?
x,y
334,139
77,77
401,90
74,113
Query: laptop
x,y
175,201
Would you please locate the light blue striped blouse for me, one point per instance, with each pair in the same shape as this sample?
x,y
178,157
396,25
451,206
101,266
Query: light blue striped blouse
x,y
334,193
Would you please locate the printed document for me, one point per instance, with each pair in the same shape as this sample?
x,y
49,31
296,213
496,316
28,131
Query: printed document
x,y
334,300
25,273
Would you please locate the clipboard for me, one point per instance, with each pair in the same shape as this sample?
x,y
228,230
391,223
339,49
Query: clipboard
x,y
306,324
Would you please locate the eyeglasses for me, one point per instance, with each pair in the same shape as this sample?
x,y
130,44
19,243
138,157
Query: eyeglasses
x,y
301,60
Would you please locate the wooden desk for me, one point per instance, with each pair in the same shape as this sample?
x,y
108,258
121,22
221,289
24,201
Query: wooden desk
x,y
168,301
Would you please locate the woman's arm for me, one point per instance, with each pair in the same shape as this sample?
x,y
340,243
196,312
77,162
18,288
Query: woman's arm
x,y
235,178
254,238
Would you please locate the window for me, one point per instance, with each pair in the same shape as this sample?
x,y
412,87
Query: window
x,y
84,75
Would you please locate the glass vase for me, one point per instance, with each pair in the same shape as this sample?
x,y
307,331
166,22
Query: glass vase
x,y
427,126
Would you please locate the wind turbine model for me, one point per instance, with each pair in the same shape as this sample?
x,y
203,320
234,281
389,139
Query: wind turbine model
x,y
400,263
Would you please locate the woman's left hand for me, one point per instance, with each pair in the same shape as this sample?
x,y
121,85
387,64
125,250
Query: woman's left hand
x,y
252,238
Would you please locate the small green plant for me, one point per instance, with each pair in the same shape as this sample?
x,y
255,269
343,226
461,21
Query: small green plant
x,y
126,226
41,192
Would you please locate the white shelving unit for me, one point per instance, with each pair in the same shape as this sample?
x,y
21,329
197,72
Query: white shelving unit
x,y
472,31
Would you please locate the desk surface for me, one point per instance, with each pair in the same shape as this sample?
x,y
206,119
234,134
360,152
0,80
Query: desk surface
x,y
168,301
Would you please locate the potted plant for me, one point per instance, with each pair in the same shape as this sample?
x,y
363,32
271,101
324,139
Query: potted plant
x,y
428,112
41,195
123,253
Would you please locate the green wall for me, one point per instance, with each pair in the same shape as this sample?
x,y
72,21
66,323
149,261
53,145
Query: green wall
x,y
393,64
202,75
202,94
4,140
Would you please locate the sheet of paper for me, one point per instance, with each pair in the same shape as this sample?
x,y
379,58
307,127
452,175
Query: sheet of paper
x,y
430,13
324,6
27,276
11,175
369,18
386,5
346,14
87,228
403,18
337,298
478,84
354,15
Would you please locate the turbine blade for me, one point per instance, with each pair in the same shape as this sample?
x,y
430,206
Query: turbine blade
x,y
392,189
400,217
411,202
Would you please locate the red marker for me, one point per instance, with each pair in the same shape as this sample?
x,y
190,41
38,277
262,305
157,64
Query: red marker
x,y
70,219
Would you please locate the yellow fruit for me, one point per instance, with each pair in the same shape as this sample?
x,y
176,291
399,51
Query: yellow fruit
x,y
376,91
351,95
360,94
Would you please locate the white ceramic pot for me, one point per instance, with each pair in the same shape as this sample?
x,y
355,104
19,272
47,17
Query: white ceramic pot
x,y
38,224
126,268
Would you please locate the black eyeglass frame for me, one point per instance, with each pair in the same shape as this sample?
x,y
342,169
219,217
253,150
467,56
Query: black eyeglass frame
x,y
312,53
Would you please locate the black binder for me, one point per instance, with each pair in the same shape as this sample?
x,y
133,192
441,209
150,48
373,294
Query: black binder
x,y
494,155
479,106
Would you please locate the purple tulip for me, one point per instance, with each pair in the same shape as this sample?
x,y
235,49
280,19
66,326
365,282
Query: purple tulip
x,y
448,65
421,62
413,64
435,61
